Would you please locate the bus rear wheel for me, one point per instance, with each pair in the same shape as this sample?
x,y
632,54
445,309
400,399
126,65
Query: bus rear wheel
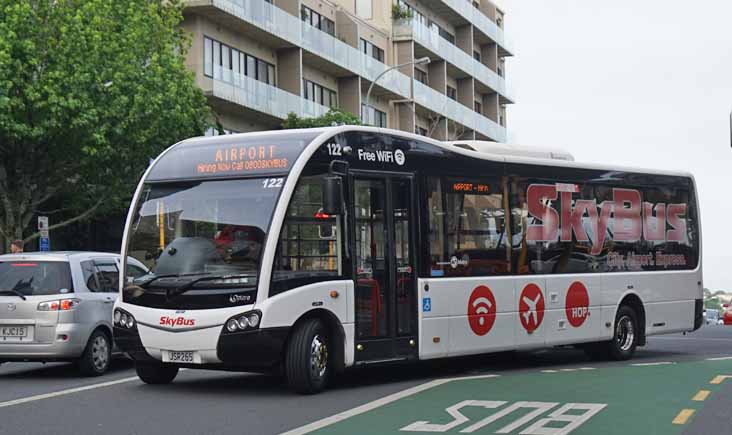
x,y
308,361
624,341
156,374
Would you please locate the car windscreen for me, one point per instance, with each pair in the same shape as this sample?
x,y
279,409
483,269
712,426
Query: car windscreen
x,y
35,278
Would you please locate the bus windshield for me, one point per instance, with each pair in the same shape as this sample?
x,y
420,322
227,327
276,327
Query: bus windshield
x,y
203,230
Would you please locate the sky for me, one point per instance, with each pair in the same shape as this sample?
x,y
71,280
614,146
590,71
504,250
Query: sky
x,y
643,83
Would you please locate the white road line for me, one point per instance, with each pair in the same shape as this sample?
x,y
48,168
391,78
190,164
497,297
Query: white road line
x,y
587,368
376,404
66,392
720,358
690,338
550,371
659,363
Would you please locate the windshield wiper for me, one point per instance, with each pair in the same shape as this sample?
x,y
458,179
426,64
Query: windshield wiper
x,y
145,284
15,292
173,292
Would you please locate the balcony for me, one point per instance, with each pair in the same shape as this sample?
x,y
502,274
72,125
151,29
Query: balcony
x,y
461,11
444,49
248,92
278,28
439,103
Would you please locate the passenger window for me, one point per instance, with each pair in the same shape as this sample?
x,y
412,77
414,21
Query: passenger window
x,y
108,277
470,225
308,247
89,272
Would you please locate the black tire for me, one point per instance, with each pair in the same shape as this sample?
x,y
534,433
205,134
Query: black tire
x,y
625,338
156,374
97,355
624,342
308,343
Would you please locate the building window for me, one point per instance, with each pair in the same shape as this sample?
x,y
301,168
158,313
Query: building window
x,y
211,131
501,67
364,8
372,50
451,93
226,63
318,21
476,56
319,94
499,19
417,16
478,107
442,32
502,115
421,131
373,116
420,75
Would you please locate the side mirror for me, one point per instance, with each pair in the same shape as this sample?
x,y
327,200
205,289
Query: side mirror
x,y
333,195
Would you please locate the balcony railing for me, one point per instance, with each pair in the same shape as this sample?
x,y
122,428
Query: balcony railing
x,y
481,21
290,28
439,103
278,102
452,54
260,96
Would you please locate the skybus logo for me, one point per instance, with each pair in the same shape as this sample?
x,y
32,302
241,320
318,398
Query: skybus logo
x,y
176,321
632,219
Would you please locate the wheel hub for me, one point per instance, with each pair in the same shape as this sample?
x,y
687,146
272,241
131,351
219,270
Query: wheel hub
x,y
625,333
100,353
318,356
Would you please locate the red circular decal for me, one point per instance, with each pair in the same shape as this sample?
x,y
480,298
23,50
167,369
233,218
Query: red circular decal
x,y
577,305
531,307
481,310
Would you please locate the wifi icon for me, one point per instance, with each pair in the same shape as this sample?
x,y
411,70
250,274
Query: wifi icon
x,y
481,310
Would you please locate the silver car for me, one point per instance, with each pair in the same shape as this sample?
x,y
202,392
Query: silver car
x,y
57,306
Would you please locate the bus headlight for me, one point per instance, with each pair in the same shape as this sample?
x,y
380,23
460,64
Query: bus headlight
x,y
123,319
244,322
232,325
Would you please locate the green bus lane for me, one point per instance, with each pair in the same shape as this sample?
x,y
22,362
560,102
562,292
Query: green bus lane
x,y
650,398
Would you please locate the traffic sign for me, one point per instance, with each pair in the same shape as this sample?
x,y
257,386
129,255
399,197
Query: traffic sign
x,y
45,244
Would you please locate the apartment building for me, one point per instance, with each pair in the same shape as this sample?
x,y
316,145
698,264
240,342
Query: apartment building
x,y
258,60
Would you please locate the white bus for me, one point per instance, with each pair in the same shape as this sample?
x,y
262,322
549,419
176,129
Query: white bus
x,y
311,251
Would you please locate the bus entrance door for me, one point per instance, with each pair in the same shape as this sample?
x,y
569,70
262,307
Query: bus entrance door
x,y
385,292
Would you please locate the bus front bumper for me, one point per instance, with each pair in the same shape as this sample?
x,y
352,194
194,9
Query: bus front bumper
x,y
256,350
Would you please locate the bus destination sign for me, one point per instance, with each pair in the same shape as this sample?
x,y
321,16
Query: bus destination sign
x,y
246,158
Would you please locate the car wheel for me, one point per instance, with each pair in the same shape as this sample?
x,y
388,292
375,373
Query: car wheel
x,y
156,374
97,356
622,346
308,361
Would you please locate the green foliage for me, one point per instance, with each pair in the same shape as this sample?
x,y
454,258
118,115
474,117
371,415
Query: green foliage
x,y
712,303
400,13
332,118
90,90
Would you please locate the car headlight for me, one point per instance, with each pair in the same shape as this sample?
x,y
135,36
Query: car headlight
x,y
123,319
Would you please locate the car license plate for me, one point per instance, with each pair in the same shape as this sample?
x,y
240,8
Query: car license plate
x,y
13,332
181,357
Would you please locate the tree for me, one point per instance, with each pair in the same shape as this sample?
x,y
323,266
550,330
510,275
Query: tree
x,y
331,118
90,90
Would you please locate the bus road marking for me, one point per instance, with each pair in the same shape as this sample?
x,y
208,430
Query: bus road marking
x,y
683,416
659,363
719,379
701,395
333,419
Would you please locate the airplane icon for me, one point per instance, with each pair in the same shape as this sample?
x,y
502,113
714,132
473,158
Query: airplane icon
x,y
532,308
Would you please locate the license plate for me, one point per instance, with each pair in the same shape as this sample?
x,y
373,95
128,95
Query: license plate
x,y
181,357
13,332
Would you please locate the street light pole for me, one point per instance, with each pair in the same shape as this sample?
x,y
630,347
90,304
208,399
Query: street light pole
x,y
420,61
730,128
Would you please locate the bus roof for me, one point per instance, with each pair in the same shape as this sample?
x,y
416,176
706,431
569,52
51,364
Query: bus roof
x,y
274,152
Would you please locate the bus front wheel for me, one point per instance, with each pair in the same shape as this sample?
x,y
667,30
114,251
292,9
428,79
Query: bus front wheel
x,y
308,361
156,374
